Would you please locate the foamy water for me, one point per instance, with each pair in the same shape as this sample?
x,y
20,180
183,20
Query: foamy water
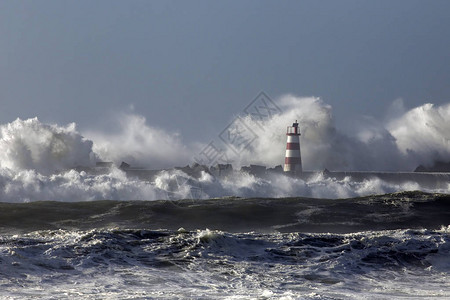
x,y
236,236
37,160
205,264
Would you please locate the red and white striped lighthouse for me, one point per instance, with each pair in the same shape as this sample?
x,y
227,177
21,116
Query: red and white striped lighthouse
x,y
293,159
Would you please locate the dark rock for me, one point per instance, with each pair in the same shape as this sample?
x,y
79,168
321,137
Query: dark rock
x,y
124,166
438,166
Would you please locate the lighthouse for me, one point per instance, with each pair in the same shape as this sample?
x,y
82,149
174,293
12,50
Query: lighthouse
x,y
293,159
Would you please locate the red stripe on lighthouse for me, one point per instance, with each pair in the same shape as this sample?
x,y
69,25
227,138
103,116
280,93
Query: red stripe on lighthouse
x,y
292,146
292,160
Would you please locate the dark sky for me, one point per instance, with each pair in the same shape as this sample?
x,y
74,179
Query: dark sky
x,y
190,66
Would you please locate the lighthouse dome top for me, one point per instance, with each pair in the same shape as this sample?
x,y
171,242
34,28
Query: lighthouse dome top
x,y
293,130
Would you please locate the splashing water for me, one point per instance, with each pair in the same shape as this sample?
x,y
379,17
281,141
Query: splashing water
x,y
38,161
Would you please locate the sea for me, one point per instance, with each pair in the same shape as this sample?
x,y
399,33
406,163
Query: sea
x,y
69,232
383,246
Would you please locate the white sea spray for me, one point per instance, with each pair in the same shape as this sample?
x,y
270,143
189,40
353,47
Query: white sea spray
x,y
40,161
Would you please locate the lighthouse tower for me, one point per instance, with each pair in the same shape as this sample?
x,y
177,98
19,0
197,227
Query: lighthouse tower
x,y
293,159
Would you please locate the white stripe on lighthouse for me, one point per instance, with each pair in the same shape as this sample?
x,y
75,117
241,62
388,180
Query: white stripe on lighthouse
x,y
292,153
293,139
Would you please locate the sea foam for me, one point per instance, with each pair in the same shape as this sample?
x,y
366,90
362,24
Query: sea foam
x,y
40,161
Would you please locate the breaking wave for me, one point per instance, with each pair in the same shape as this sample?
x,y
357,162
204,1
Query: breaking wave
x,y
401,142
70,186
379,212
32,145
236,235
164,264
41,161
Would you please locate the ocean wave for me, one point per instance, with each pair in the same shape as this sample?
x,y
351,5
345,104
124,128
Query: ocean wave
x,y
205,263
41,161
115,184
376,212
